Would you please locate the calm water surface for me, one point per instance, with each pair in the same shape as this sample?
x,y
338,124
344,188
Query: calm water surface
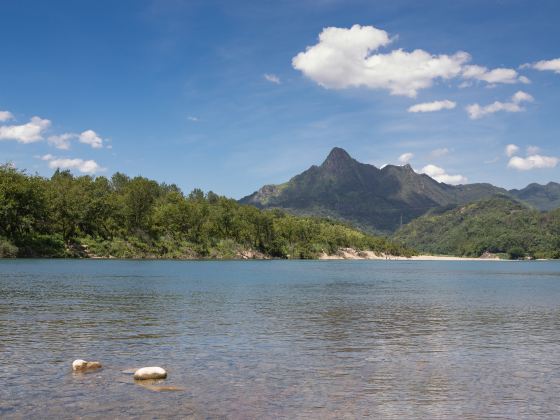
x,y
283,339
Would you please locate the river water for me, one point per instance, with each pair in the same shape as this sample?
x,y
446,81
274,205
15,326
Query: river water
x,y
281,339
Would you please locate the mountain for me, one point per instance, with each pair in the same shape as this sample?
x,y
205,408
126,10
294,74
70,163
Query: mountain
x,y
378,200
542,197
499,225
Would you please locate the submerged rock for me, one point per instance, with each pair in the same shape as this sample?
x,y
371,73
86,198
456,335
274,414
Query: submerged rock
x,y
80,364
152,372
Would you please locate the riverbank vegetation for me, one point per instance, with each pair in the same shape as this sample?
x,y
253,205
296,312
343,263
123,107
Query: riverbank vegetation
x,y
123,217
498,225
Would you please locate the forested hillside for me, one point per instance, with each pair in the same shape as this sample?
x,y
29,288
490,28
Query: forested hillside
x,y
499,225
68,216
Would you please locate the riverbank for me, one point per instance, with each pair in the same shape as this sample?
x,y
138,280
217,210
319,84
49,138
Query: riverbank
x,y
352,254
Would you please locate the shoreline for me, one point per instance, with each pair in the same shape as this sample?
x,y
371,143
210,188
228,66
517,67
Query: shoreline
x,y
352,254
323,257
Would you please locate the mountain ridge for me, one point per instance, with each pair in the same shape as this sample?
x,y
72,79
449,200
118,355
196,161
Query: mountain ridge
x,y
381,199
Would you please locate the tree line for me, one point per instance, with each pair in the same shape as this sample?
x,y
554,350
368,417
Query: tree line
x,y
135,217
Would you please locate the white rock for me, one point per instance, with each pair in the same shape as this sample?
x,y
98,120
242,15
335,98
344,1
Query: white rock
x,y
152,372
79,364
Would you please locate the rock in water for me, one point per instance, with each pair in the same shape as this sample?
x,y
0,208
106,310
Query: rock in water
x,y
152,372
80,364
93,365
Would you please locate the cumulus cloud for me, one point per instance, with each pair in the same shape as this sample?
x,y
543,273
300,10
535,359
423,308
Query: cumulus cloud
x,y
439,152
25,133
405,157
62,141
345,58
545,65
521,96
477,111
511,149
532,162
440,175
349,57
499,75
34,130
272,78
90,137
432,106
81,165
6,116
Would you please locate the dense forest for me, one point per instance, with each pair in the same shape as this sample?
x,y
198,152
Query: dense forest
x,y
123,217
499,226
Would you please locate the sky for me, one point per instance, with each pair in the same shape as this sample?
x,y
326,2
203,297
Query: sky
x,y
232,95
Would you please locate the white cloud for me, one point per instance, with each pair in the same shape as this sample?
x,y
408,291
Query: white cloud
x,y
84,166
439,152
440,175
90,137
533,150
6,116
62,141
405,157
25,133
193,118
511,149
532,162
272,78
499,75
477,111
343,58
521,96
432,106
33,131
545,65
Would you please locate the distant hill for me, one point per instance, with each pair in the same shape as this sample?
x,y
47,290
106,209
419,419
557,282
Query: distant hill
x,y
371,198
542,197
496,225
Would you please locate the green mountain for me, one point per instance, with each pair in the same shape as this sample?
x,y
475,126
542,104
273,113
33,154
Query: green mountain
x,y
371,198
496,225
381,200
542,197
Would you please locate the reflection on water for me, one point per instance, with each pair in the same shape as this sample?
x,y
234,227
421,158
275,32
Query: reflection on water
x,y
329,339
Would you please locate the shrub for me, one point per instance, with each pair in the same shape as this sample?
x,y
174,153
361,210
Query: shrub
x,y
7,249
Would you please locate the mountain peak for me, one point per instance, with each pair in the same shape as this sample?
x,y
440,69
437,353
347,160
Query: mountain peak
x,y
336,157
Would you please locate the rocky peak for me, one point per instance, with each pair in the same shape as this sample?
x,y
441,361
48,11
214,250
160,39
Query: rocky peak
x,y
337,158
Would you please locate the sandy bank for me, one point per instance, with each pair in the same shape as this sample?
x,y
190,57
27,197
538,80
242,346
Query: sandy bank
x,y
352,254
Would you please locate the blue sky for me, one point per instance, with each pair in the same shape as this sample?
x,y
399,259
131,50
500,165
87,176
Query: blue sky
x,y
210,94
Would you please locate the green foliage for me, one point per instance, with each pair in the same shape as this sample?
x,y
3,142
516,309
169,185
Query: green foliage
x,y
122,217
7,249
516,253
499,225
